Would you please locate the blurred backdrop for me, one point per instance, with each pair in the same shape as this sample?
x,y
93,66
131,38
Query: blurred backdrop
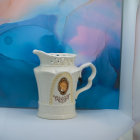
x,y
89,28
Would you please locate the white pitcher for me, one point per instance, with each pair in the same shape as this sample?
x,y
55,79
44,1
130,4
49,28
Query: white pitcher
x,y
57,78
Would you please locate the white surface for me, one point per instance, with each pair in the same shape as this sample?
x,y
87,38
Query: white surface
x,y
23,124
136,74
128,44
127,136
137,132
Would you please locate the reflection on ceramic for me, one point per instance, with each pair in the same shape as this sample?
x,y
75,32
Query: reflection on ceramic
x,y
57,78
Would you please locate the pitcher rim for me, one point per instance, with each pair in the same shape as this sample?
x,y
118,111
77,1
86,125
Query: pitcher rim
x,y
66,55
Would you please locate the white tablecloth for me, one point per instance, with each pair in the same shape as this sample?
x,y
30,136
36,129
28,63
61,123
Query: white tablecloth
x,y
23,124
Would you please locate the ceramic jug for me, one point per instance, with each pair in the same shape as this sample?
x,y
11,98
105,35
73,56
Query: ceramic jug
x,y
57,78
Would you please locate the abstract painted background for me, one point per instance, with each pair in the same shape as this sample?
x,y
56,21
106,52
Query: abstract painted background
x,y
89,28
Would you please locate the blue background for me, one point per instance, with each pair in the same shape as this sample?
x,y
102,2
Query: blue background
x,y
17,81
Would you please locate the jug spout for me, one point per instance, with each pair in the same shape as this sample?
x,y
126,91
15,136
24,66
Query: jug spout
x,y
44,57
55,59
39,53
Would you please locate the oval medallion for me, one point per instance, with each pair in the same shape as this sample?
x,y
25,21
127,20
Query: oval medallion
x,y
63,86
62,89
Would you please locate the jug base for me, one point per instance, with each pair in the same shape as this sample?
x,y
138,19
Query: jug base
x,y
56,117
56,112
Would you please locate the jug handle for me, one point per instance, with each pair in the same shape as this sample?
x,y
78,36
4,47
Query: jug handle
x,y
89,84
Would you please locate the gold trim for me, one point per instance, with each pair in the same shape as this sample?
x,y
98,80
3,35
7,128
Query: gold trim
x,y
66,75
